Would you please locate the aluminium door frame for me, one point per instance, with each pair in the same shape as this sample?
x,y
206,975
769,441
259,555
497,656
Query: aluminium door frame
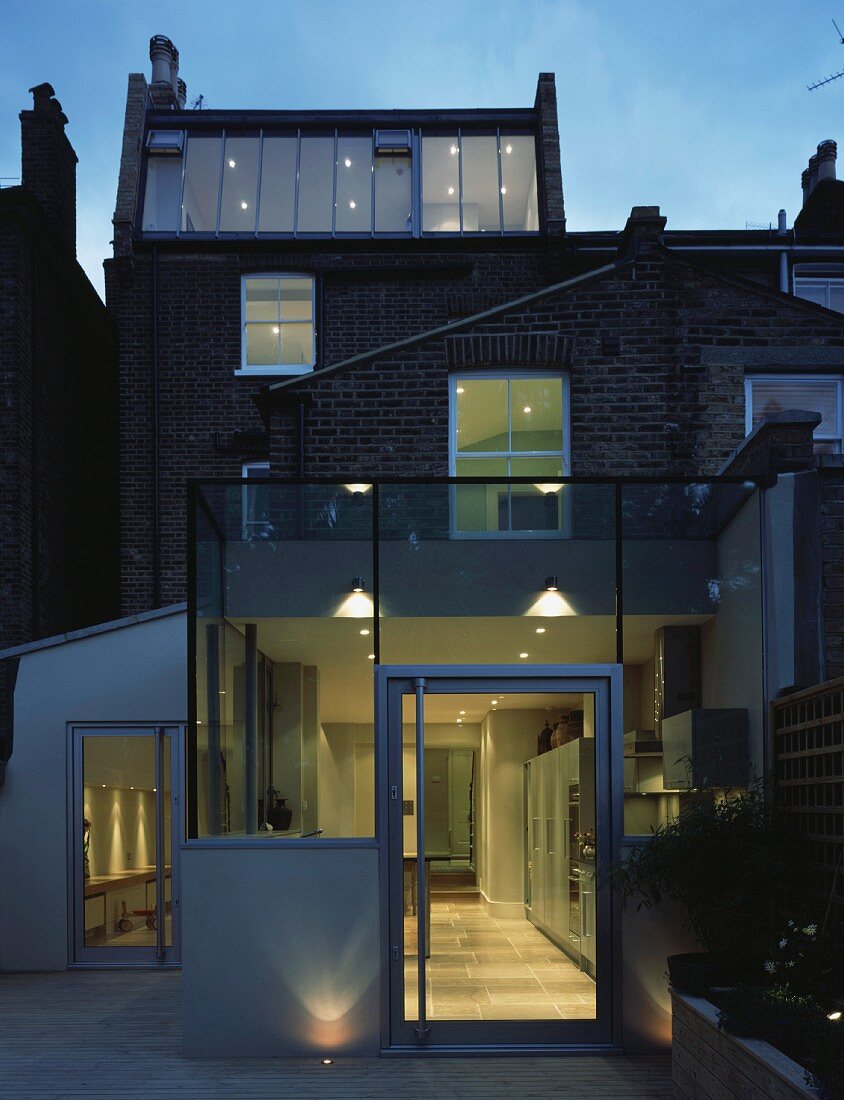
x,y
609,762
111,958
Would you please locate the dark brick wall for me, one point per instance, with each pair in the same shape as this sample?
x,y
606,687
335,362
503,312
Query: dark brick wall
x,y
48,163
832,564
652,407
366,299
58,502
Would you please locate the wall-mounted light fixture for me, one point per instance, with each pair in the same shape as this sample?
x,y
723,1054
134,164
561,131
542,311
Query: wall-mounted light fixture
x,y
358,585
552,583
357,491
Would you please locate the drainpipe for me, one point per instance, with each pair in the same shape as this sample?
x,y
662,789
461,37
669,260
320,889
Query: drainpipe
x,y
156,556
35,413
782,232
300,463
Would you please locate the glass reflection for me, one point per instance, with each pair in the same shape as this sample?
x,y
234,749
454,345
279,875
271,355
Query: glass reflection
x,y
202,185
393,194
518,183
480,209
161,198
441,184
240,185
316,185
278,185
354,185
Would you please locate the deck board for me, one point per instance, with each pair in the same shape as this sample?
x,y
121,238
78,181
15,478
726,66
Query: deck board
x,y
86,1035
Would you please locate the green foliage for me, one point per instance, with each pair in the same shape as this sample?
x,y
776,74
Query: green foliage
x,y
728,863
794,1023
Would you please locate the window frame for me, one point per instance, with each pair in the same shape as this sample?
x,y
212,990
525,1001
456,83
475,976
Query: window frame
x,y
837,440
415,231
253,469
281,370
564,454
817,275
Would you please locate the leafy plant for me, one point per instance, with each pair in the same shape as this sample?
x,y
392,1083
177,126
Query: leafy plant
x,y
728,862
804,960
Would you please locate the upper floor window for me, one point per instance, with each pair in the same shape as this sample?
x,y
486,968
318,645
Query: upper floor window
x,y
823,286
278,324
815,393
334,183
509,425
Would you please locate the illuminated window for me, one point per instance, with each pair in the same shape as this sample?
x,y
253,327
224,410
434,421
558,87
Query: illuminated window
x,y
505,426
278,324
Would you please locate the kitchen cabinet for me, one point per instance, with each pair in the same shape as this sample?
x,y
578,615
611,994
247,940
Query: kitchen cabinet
x,y
560,792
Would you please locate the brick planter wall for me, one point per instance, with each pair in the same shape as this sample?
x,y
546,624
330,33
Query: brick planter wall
x,y
709,1064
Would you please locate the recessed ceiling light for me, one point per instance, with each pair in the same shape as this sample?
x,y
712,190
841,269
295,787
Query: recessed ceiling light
x,y
503,190
364,632
371,656
523,655
347,162
453,150
131,788
463,712
460,389
494,702
244,206
540,630
104,784
527,409
459,720
451,190
232,164
508,149
275,329
352,203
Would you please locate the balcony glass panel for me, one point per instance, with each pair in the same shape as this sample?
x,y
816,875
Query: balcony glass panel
x,y
316,185
480,184
693,654
518,182
161,199
393,194
449,599
441,184
202,185
303,584
278,185
354,185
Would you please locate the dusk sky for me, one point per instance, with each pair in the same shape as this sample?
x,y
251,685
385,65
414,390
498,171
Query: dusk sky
x,y
699,107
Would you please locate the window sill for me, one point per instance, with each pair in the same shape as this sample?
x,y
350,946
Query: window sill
x,y
273,372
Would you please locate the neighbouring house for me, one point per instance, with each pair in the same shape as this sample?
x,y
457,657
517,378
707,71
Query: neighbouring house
x,y
457,552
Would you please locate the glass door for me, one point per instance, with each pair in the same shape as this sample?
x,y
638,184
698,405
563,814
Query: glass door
x,y
124,845
507,941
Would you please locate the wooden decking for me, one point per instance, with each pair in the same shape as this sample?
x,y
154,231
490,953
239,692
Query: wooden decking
x,y
117,1035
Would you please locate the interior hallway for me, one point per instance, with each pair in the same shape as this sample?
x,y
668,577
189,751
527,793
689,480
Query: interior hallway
x,y
486,969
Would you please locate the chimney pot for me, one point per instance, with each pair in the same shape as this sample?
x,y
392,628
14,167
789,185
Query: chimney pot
x,y
161,56
782,223
182,94
642,233
825,159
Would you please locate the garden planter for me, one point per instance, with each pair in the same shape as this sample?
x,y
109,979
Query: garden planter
x,y
709,1064
696,972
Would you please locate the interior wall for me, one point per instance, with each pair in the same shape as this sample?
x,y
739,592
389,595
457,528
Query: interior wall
x,y
122,829
336,772
508,739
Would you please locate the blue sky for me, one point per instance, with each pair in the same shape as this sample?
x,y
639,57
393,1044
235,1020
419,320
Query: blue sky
x,y
701,108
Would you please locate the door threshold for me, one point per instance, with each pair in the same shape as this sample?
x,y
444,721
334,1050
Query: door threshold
x,y
503,1050
124,966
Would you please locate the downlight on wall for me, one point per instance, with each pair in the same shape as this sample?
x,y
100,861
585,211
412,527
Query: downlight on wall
x,y
551,604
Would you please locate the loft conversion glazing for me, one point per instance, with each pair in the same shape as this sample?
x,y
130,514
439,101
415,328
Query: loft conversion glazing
x,y
394,183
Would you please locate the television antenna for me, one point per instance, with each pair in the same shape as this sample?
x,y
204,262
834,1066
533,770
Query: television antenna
x,y
196,104
834,76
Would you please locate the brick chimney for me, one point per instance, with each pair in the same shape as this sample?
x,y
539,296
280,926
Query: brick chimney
x,y
643,232
48,162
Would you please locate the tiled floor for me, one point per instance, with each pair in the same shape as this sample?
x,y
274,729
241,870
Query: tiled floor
x,y
486,969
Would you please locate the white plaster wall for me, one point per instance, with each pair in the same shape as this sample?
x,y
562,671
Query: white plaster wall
x,y
136,674
508,739
281,951
336,775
